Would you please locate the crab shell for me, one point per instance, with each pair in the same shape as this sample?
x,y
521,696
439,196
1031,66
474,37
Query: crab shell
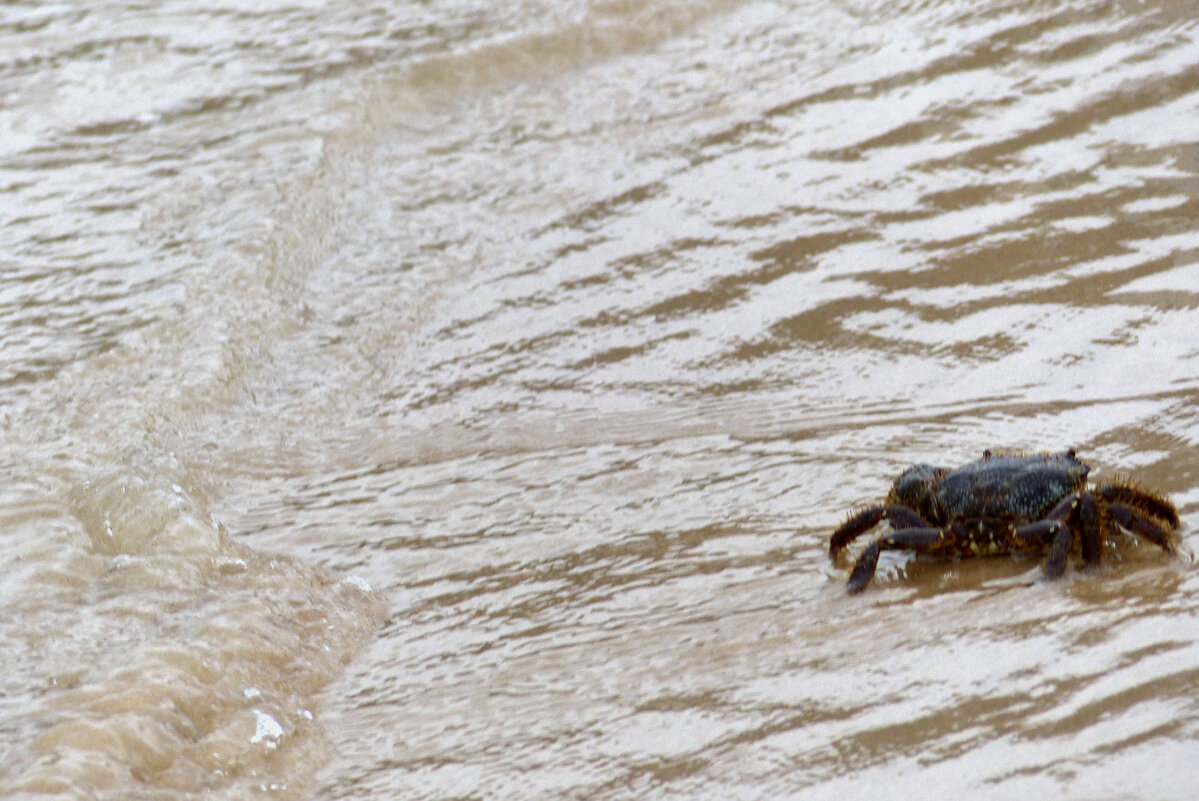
x,y
996,486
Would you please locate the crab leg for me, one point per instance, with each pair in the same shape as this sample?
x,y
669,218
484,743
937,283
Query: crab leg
x,y
1142,526
861,521
1076,513
1057,534
1055,562
1087,514
923,540
1124,493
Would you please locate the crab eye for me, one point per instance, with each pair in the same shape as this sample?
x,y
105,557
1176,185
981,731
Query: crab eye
x,y
914,487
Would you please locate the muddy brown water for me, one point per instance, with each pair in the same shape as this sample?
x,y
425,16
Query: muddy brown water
x,y
454,400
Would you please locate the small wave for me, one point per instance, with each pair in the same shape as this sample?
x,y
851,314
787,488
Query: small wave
x,y
162,654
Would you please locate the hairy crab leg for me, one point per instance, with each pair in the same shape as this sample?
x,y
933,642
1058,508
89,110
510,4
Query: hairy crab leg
x,y
1126,493
861,521
921,540
1142,526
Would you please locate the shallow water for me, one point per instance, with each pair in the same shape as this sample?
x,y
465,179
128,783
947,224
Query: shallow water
x,y
454,400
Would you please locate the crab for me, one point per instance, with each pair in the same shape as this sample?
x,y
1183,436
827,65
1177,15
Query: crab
x,y
1007,503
